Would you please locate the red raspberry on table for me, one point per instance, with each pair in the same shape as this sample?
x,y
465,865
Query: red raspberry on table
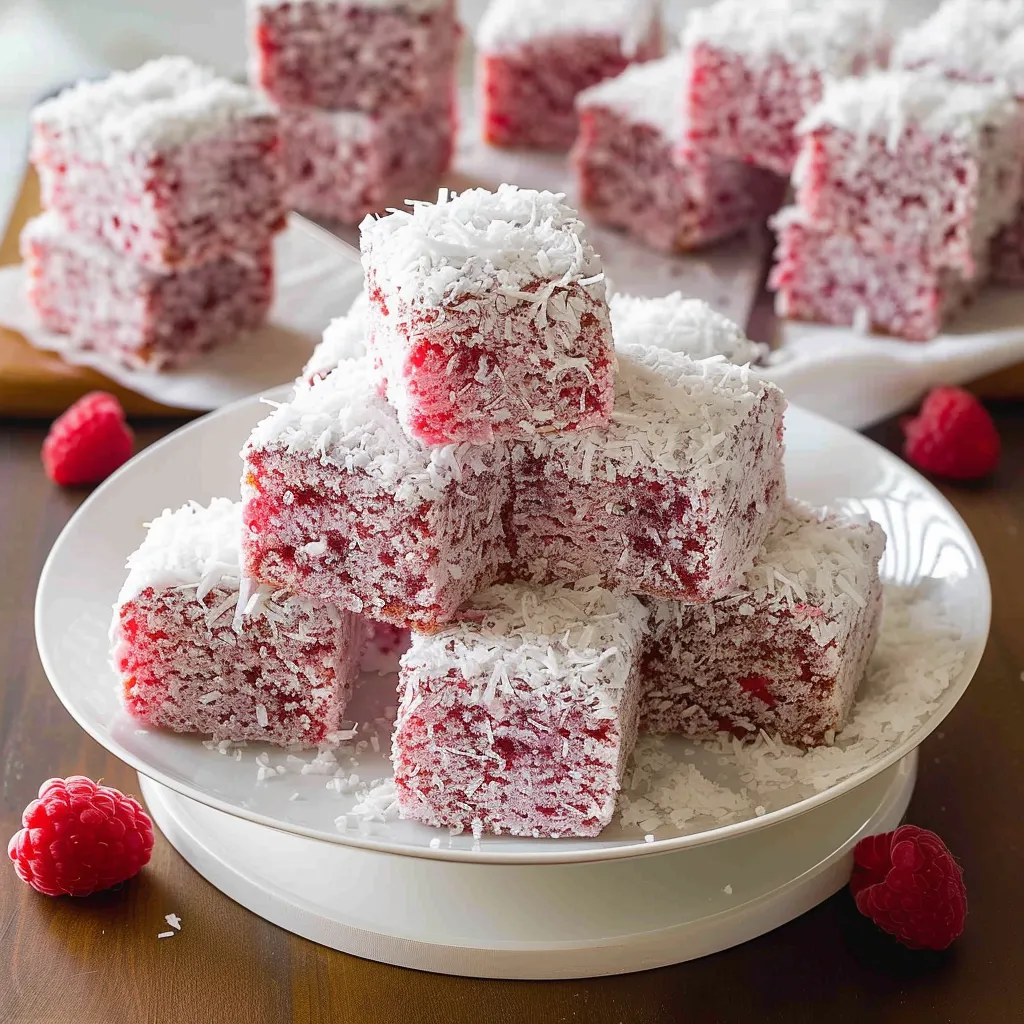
x,y
80,838
952,436
908,883
88,442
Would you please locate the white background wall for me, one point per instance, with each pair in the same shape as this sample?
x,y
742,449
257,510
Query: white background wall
x,y
44,43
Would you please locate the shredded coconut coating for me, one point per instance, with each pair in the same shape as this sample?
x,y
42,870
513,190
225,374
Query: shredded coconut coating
x,y
647,93
673,497
678,324
489,316
412,6
508,24
200,649
520,718
973,40
344,341
830,36
786,650
162,104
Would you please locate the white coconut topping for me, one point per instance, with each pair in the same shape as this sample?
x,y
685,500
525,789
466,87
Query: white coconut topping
x,y
508,24
974,40
162,104
671,413
341,421
886,102
647,93
413,6
478,243
200,547
344,340
687,326
834,36
557,642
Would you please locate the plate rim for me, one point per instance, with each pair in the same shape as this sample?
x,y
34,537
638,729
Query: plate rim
x,y
615,851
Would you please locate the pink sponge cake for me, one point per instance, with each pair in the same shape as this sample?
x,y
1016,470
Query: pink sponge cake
x,y
520,718
635,171
489,317
199,649
536,56
145,319
355,55
340,504
167,165
786,651
976,41
673,498
755,70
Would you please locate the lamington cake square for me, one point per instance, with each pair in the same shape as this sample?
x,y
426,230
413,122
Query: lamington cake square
x,y
635,172
356,55
914,165
755,70
520,718
167,165
976,41
536,57
822,276
145,319
488,316
343,340
342,506
343,165
199,649
673,498
786,651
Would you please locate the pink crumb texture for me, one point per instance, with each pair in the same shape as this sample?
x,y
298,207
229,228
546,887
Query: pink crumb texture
x,y
341,55
672,499
634,172
520,719
144,319
825,277
489,317
167,165
756,70
342,166
786,652
282,673
529,93
341,505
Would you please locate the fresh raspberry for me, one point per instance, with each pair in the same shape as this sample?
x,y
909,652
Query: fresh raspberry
x,y
80,838
88,442
952,436
908,883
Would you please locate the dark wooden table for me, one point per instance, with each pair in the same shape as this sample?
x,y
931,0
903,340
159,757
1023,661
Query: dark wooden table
x,y
98,961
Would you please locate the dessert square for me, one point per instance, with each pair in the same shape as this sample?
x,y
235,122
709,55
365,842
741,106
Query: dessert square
x,y
200,649
786,651
167,165
341,505
822,276
488,316
343,340
535,57
356,55
673,498
519,719
914,165
634,172
679,324
971,41
755,70
344,165
143,318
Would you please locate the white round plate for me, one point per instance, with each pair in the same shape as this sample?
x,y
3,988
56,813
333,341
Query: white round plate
x,y
681,794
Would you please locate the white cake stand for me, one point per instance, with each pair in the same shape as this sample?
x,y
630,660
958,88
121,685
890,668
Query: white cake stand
x,y
534,921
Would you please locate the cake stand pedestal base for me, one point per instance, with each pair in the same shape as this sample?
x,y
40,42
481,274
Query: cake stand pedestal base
x,y
534,921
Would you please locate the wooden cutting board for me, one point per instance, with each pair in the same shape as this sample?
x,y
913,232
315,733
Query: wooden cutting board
x,y
41,385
